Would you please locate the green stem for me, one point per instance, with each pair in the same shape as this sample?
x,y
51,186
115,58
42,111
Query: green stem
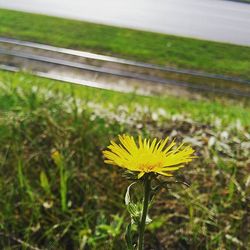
x,y
147,189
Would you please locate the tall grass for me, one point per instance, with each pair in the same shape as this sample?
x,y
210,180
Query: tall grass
x,y
64,175
79,203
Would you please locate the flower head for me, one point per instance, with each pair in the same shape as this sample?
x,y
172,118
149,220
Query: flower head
x,y
147,156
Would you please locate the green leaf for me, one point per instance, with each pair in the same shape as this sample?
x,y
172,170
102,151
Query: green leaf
x,y
134,209
127,195
21,178
128,237
45,182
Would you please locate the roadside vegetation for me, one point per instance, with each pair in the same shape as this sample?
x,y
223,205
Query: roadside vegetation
x,y
203,110
241,1
78,202
132,44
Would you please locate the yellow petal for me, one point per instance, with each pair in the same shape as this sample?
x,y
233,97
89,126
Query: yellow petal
x,y
140,175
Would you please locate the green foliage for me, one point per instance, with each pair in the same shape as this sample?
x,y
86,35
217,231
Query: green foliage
x,y
207,111
64,175
38,116
45,182
138,45
20,174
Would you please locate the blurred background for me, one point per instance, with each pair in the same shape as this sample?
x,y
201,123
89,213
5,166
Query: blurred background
x,y
75,74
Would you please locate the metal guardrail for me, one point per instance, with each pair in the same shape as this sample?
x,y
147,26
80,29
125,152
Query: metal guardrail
x,y
118,72
93,84
120,60
122,73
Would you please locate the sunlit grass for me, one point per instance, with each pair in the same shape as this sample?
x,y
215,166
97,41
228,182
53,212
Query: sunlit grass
x,y
138,45
201,110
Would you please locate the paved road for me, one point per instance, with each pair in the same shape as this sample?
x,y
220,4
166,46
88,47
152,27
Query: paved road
x,y
217,20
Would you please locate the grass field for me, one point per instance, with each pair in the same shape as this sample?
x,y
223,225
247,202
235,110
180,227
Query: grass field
x,y
201,110
138,45
79,204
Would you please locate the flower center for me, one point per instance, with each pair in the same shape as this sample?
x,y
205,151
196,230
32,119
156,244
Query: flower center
x,y
148,168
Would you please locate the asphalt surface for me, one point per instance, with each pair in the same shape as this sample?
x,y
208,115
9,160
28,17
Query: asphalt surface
x,y
217,20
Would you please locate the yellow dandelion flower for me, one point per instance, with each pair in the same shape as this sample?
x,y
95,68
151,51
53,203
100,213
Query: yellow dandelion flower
x,y
147,156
